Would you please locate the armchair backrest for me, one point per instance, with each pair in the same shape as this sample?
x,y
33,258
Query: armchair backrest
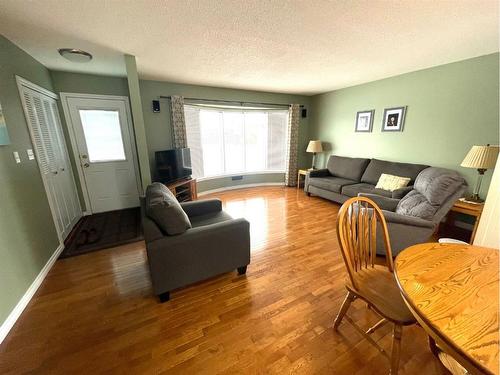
x,y
435,191
149,228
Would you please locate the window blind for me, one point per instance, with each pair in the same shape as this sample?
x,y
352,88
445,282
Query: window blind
x,y
228,141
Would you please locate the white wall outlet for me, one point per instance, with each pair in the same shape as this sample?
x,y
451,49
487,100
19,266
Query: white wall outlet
x,y
16,157
31,155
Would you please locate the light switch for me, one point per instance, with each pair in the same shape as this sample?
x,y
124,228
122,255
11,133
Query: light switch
x,y
16,157
31,155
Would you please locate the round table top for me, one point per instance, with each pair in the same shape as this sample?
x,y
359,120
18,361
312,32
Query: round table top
x,y
452,290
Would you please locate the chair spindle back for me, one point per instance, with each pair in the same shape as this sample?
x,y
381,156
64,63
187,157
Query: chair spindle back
x,y
357,234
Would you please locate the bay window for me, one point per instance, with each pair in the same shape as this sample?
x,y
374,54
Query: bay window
x,y
227,141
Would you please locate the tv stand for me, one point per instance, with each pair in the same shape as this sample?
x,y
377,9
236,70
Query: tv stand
x,y
184,190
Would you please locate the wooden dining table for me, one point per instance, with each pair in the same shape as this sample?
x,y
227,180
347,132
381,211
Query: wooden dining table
x,y
452,290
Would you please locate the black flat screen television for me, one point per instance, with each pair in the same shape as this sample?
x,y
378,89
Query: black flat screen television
x,y
172,165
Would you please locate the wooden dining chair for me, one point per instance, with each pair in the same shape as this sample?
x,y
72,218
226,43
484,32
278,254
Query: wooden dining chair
x,y
359,220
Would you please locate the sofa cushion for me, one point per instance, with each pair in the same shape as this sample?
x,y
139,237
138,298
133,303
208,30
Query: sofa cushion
x,y
376,167
437,184
354,190
330,183
349,168
163,208
416,204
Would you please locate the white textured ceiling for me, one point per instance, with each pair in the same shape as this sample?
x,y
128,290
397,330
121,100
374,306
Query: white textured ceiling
x,y
302,47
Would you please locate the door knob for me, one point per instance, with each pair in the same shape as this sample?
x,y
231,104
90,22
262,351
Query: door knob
x,y
86,165
84,156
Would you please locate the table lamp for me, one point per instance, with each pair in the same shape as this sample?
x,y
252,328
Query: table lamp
x,y
480,158
314,147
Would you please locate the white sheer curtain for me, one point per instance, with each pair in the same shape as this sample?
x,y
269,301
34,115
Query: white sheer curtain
x,y
230,141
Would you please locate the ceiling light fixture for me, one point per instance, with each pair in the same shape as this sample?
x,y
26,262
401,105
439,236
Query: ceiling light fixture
x,y
75,55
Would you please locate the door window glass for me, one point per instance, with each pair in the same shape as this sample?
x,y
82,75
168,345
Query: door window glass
x,y
103,135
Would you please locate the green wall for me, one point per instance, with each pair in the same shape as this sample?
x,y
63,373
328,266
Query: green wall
x,y
27,234
450,108
89,83
158,124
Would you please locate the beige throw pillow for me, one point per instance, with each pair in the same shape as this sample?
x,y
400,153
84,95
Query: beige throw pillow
x,y
391,183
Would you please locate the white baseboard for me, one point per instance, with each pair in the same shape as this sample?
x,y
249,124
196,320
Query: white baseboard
x,y
23,302
240,187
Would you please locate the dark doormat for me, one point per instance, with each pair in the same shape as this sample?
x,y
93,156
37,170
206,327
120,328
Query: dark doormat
x,y
104,230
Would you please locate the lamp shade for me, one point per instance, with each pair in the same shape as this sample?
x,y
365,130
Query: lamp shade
x,y
481,157
314,146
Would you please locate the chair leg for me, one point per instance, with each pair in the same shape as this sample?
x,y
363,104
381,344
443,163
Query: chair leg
x,y
396,348
343,309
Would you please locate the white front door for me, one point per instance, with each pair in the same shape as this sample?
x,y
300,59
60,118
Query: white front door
x,y
103,138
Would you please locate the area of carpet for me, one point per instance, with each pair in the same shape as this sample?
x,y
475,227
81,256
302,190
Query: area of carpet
x,y
104,230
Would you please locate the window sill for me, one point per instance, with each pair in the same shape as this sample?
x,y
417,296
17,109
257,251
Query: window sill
x,y
238,174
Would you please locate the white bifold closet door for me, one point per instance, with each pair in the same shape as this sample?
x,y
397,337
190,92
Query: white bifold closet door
x,y
44,125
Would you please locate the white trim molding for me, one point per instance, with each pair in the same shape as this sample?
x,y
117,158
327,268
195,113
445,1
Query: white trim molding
x,y
26,298
221,176
65,96
24,82
234,187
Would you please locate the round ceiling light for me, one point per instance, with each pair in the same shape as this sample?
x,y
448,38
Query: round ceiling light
x,y
75,55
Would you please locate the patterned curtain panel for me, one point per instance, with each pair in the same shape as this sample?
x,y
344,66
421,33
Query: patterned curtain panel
x,y
178,122
292,147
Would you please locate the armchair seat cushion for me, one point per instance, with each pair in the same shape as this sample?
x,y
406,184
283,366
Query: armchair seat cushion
x,y
210,218
354,190
334,184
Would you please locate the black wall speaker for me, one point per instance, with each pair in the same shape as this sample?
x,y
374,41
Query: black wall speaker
x,y
303,113
156,106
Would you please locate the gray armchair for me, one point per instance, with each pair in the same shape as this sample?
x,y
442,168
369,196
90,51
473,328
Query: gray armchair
x,y
212,244
414,218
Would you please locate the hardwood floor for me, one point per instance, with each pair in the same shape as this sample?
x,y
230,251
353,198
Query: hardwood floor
x,y
95,313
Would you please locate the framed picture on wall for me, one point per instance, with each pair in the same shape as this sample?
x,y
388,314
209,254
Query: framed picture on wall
x,y
4,136
364,121
394,119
